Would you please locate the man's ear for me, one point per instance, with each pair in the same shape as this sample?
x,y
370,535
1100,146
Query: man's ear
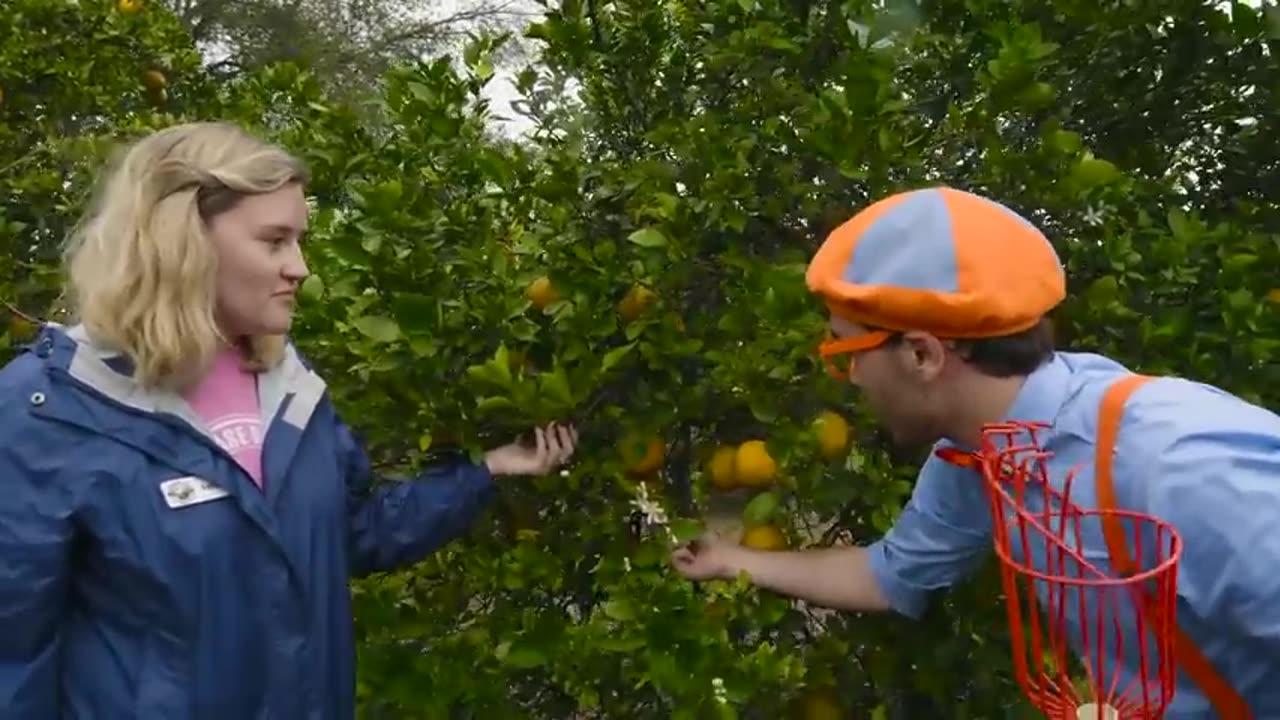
x,y
925,354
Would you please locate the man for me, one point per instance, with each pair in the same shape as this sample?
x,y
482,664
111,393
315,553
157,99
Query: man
x,y
938,301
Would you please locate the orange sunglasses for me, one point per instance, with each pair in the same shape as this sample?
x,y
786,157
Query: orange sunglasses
x,y
833,348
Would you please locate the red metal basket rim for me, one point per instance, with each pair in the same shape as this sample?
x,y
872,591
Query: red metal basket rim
x,y
1175,541
1136,578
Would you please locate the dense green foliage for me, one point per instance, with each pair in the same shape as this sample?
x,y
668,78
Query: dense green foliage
x,y
713,146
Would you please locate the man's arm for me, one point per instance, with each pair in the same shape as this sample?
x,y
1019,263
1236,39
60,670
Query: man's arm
x,y
840,578
940,537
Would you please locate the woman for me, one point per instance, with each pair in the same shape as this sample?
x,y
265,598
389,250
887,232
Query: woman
x,y
180,506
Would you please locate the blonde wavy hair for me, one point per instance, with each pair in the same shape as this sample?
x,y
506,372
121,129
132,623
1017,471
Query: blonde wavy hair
x,y
140,268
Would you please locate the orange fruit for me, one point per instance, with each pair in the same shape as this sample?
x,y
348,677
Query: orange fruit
x,y
542,292
764,537
636,301
721,468
833,434
642,456
753,466
820,704
154,80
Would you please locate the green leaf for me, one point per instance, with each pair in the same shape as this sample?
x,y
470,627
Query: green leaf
x,y
1103,290
523,655
686,529
555,385
495,402
537,31
620,609
761,508
648,237
1067,141
422,92
312,288
763,410
414,312
1178,223
1240,299
1239,261
614,356
621,643
378,328
348,248
496,374
500,364
1092,172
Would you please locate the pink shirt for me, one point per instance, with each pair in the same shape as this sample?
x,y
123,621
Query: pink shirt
x,y
227,401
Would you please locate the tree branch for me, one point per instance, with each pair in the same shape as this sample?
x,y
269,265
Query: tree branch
x,y
438,27
19,314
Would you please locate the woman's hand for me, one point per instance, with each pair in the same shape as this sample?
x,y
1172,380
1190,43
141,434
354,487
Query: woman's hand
x,y
553,446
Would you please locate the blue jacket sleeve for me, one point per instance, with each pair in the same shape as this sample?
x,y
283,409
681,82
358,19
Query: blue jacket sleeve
x,y
940,537
35,537
392,524
1214,474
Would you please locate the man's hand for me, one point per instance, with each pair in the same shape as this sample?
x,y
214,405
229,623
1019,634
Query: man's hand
x,y
707,558
834,577
552,448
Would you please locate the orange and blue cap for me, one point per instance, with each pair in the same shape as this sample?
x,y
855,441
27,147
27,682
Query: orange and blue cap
x,y
938,260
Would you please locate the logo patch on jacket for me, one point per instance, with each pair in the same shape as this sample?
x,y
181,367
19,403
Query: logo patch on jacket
x,y
190,490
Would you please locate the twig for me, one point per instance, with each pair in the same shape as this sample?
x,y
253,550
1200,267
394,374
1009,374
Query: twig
x,y
31,155
439,26
18,313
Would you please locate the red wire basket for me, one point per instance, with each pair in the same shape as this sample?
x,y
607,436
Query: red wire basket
x,y
1092,634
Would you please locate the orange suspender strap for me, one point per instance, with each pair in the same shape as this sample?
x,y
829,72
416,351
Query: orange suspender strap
x,y
1227,702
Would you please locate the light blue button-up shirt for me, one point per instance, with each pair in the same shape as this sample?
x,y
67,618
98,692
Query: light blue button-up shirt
x,y
1202,460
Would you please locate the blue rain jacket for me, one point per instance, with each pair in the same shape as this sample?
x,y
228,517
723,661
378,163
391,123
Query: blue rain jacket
x,y
143,574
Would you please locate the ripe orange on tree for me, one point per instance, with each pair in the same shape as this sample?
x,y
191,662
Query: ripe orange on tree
x,y
753,466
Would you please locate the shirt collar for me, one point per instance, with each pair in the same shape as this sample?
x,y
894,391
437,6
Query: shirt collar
x,y
1039,400
1042,394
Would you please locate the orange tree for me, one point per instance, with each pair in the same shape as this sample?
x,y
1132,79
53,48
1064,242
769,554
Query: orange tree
x,y
637,266
71,75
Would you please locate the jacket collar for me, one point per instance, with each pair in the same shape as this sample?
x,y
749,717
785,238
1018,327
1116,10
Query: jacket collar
x,y
289,392
289,395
